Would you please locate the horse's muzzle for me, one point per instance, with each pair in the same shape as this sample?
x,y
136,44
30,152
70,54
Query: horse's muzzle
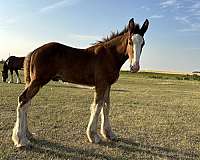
x,y
134,68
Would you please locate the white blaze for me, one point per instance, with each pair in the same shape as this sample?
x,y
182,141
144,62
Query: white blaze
x,y
137,45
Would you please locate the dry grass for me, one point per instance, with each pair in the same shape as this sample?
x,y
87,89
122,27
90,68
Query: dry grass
x,y
153,118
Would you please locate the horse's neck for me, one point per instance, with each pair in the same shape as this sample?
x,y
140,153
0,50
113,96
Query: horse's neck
x,y
5,67
118,47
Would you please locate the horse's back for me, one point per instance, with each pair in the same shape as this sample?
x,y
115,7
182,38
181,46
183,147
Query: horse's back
x,y
60,56
58,61
15,63
55,61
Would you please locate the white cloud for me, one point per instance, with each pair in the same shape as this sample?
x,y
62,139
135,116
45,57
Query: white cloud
x,y
196,5
194,9
7,21
59,4
168,3
156,16
145,8
84,37
193,27
187,15
189,23
184,19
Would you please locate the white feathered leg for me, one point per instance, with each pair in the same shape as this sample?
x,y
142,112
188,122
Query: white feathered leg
x,y
106,130
20,129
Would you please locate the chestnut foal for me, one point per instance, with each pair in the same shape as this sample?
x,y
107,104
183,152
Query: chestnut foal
x,y
98,65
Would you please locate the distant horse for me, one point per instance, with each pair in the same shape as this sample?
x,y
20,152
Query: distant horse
x,y
13,64
98,65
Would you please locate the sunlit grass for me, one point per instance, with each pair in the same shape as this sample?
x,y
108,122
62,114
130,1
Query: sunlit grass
x,y
154,118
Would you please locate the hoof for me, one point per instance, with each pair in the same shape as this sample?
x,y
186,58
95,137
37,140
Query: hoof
x,y
20,141
109,135
93,138
30,135
22,144
96,139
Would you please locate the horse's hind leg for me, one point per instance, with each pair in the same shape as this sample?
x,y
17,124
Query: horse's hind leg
x,y
106,130
11,76
20,131
17,75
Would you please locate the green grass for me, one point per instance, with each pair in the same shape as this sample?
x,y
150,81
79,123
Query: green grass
x,y
154,118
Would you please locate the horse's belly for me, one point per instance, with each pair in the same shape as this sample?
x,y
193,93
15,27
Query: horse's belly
x,y
77,78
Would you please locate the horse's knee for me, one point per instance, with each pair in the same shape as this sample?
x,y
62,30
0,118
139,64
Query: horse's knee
x,y
29,93
23,99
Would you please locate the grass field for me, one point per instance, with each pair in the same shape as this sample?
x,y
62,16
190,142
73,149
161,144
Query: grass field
x,y
154,116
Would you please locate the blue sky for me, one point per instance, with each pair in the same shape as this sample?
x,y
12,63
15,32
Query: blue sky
x,y
172,40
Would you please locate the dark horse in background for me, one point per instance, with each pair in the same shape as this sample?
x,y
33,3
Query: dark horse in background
x,y
98,65
13,64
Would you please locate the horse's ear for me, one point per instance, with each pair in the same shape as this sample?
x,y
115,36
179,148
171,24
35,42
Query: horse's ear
x,y
131,25
144,27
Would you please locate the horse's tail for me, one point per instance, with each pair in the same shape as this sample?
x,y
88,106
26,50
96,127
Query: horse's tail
x,y
27,61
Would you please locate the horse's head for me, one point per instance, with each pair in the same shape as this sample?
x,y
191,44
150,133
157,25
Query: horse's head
x,y
4,76
135,43
4,72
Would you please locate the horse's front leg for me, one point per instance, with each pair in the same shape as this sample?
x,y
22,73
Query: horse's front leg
x,y
106,130
11,76
95,111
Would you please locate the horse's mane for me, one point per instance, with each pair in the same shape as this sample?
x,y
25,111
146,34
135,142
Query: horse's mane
x,y
116,34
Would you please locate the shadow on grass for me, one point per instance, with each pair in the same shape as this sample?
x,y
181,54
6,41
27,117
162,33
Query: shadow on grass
x,y
129,146
56,150
77,86
70,85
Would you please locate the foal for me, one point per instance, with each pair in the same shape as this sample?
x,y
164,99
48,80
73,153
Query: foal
x,y
98,65
13,64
